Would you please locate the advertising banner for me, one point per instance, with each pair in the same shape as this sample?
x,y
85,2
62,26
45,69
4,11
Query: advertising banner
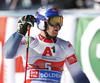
x,y
87,47
2,41
82,32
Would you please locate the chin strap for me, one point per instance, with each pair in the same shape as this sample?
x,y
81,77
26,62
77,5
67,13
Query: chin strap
x,y
50,37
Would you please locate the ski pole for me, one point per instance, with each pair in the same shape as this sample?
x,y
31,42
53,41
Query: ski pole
x,y
27,53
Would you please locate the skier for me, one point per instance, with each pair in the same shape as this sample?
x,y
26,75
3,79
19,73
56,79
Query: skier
x,y
47,53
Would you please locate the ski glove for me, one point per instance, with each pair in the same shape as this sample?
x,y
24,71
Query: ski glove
x,y
25,23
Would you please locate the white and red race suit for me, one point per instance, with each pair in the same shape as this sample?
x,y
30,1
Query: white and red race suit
x,y
45,59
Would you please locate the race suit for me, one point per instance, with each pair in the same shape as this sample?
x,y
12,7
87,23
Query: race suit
x,y
45,59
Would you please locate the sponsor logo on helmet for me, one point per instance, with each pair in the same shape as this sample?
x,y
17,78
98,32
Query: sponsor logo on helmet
x,y
40,17
55,9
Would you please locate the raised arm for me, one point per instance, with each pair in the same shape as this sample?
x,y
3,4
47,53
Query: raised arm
x,y
11,46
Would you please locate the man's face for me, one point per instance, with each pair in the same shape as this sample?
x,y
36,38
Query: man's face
x,y
52,30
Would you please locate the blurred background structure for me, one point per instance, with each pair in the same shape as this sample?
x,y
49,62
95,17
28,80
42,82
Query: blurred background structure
x,y
34,4
81,27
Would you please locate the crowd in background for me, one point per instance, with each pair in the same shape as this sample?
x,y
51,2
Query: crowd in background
x,y
34,4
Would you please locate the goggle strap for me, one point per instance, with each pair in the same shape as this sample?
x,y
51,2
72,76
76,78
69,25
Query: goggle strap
x,y
60,21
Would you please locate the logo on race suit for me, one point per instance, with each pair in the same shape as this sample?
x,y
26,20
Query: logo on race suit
x,y
69,45
22,42
53,75
72,59
45,74
47,51
34,74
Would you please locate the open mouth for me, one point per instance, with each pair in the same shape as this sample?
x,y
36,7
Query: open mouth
x,y
55,30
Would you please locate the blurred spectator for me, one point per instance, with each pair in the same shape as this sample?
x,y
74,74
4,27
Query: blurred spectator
x,y
13,4
8,2
44,2
96,4
0,4
66,4
34,4
89,3
26,3
5,4
80,4
84,3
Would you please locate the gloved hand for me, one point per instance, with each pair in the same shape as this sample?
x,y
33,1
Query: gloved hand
x,y
25,23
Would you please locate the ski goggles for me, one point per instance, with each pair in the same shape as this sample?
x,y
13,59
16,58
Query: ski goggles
x,y
53,21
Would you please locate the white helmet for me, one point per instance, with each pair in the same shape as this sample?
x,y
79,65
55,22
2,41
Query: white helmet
x,y
44,13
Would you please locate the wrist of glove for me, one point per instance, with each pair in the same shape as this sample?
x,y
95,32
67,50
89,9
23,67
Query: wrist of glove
x,y
25,23
23,29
